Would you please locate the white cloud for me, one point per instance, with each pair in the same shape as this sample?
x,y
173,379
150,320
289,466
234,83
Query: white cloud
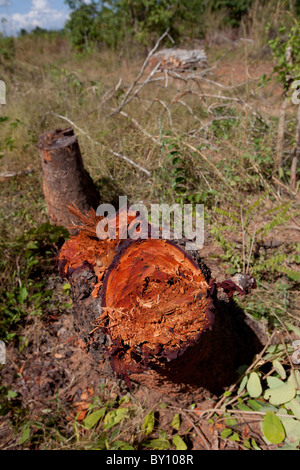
x,y
40,15
40,4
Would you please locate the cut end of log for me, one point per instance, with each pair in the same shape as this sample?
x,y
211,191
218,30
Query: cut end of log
x,y
155,300
56,138
180,60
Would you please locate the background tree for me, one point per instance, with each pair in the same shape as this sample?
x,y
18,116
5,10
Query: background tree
x,y
286,51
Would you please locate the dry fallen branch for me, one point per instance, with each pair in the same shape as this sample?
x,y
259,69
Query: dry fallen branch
x,y
128,96
116,154
179,59
202,155
138,126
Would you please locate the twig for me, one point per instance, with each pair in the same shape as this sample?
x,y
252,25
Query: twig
x,y
126,98
246,412
290,361
251,250
116,154
229,87
190,110
258,358
12,174
164,106
217,171
198,431
129,98
134,121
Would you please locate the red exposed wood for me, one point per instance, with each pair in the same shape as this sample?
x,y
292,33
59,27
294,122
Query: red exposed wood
x,y
150,309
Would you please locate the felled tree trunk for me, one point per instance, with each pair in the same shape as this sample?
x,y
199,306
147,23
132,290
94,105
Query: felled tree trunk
x,y
150,313
180,60
65,181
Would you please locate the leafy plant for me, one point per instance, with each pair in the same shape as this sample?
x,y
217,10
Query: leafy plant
x,y
35,251
275,396
285,48
245,250
7,47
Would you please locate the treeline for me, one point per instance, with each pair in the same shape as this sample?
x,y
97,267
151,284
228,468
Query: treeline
x,y
113,22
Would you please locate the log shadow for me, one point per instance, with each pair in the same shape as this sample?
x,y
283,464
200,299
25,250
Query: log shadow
x,y
209,367
109,191
213,364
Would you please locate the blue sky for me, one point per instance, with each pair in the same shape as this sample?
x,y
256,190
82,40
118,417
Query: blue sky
x,y
27,14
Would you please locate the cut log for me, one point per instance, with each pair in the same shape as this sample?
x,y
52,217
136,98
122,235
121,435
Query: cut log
x,y
149,311
65,181
180,60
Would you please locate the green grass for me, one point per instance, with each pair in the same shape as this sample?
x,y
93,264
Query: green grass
x,y
230,170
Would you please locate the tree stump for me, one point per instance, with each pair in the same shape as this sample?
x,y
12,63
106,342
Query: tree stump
x,y
150,313
65,181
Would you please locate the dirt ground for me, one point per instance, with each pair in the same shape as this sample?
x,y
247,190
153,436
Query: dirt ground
x,y
55,368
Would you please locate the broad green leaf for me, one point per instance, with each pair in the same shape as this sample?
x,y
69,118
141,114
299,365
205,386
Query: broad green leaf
x,y
114,417
179,443
280,395
226,433
247,444
244,407
292,430
66,286
274,382
254,387
234,437
293,328
267,407
176,422
254,445
32,245
231,422
163,405
295,379
289,447
93,418
273,429
255,405
294,406
242,384
279,368
122,445
23,294
25,434
148,424
161,443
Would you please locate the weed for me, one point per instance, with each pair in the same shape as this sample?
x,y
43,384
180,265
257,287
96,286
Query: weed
x,y
27,293
267,392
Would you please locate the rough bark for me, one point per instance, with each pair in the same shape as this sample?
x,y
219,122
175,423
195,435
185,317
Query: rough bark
x,y
180,59
150,313
65,181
